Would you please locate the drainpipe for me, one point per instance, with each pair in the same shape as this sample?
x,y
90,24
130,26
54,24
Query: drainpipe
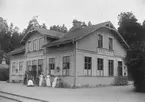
x,y
75,65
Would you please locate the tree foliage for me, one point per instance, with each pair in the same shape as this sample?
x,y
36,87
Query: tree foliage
x,y
58,28
134,33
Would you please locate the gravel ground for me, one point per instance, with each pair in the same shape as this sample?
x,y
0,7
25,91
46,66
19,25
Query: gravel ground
x,y
100,94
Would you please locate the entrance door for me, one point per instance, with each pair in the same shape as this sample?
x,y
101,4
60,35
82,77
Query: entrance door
x,y
34,68
120,65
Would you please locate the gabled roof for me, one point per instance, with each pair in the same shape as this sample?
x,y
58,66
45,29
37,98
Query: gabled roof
x,y
17,51
49,33
82,32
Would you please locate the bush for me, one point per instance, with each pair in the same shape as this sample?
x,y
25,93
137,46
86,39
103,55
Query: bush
x,y
121,80
4,74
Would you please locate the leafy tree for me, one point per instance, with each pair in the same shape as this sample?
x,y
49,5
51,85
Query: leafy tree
x,y
58,28
134,33
129,28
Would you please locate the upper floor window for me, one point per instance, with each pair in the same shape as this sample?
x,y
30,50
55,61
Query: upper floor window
x,y
66,65
110,43
35,45
41,42
30,46
100,41
88,66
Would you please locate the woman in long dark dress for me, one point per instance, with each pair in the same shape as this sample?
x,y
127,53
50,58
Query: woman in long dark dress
x,y
25,78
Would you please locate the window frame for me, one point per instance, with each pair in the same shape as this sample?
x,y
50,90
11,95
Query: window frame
x,y
40,46
21,64
51,65
100,67
66,65
110,43
35,44
88,65
110,67
100,41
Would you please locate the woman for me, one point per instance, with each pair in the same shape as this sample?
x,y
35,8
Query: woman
x,y
30,82
48,82
41,79
25,78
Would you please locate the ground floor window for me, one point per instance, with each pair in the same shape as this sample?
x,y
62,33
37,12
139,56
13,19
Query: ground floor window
x,y
28,65
100,67
51,65
21,67
111,67
40,66
88,66
14,68
120,66
66,65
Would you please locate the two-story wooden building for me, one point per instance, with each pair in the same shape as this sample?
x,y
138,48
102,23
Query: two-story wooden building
x,y
89,55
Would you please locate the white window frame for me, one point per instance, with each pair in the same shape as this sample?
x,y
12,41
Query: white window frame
x,y
109,43
88,72
40,46
102,40
100,72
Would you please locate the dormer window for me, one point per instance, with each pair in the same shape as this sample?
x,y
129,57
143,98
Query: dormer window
x,y
100,41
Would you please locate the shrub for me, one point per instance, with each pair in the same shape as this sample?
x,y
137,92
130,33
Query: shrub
x,y
121,80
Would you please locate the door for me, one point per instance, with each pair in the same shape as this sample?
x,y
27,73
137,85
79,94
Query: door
x,y
120,65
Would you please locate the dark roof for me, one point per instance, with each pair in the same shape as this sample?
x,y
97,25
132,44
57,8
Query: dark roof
x,y
17,51
49,33
80,33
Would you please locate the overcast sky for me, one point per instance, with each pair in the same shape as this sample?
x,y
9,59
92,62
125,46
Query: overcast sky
x,y
61,12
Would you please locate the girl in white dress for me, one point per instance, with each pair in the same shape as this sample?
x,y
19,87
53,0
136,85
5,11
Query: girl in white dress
x,y
48,82
54,82
41,79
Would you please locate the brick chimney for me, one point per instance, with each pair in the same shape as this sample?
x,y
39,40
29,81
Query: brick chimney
x,y
77,24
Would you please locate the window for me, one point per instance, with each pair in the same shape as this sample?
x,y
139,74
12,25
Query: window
x,y
51,65
29,45
21,67
110,44
14,68
29,65
88,66
40,66
120,67
66,65
41,43
100,67
35,45
100,41
111,67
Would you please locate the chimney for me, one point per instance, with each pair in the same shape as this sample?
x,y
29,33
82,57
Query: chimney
x,y
77,24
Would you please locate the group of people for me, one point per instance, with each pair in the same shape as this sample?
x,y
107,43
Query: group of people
x,y
40,80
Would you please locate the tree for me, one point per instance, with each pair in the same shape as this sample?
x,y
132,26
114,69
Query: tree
x,y
134,33
129,28
58,28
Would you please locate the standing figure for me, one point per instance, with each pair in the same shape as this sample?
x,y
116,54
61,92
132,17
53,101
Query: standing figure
x,y
48,82
41,79
54,82
25,78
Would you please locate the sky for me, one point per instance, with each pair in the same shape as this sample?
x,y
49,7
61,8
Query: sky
x,y
59,12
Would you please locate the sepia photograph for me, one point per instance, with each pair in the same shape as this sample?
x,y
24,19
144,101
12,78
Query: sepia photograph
x,y
72,50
